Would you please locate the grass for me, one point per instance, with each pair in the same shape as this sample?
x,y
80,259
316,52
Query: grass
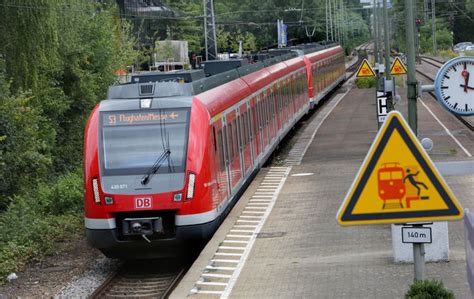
x,y
34,222
366,82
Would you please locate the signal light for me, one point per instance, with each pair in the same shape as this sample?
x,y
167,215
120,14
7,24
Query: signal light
x,y
95,188
191,183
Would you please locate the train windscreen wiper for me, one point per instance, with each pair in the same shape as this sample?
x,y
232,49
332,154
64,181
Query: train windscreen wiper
x,y
156,166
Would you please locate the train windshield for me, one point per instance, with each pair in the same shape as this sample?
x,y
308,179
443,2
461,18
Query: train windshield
x,y
131,142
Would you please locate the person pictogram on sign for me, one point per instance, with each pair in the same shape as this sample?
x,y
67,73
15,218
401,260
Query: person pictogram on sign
x,y
411,178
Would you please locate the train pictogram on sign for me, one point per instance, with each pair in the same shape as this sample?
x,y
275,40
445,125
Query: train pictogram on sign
x,y
398,68
398,182
365,70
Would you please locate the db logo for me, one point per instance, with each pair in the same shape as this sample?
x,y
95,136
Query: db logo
x,y
143,203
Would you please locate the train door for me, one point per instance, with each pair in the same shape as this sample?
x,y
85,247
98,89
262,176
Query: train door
x,y
251,132
266,117
221,160
246,140
278,95
233,145
238,130
271,124
274,105
255,126
261,121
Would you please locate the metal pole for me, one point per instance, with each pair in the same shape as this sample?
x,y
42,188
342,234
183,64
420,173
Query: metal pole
x,y
343,21
330,20
387,55
419,258
386,41
376,33
327,24
336,21
411,72
433,20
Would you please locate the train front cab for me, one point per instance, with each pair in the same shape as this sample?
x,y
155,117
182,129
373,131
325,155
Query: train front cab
x,y
129,219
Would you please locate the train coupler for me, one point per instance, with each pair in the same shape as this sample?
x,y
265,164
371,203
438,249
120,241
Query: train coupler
x,y
142,226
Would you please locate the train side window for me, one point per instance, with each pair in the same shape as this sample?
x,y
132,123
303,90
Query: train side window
x,y
221,150
243,129
238,142
252,127
214,135
230,141
246,127
259,123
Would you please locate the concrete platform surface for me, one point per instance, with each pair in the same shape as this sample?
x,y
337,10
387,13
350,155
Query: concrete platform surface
x,y
301,251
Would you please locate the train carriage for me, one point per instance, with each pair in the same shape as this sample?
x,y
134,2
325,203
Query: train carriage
x,y
167,155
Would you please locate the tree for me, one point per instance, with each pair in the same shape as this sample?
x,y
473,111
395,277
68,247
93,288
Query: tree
x,y
59,59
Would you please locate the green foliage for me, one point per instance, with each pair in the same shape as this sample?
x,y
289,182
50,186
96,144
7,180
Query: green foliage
x,y
26,143
428,289
35,221
229,41
57,59
365,82
444,39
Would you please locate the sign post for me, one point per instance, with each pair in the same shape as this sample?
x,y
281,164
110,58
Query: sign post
x,y
398,183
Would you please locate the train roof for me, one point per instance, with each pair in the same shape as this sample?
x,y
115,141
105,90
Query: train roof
x,y
220,73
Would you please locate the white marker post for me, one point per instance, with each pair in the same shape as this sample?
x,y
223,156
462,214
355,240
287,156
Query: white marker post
x,y
419,236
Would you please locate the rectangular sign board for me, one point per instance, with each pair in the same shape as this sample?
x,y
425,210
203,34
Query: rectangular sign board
x,y
469,239
382,110
412,234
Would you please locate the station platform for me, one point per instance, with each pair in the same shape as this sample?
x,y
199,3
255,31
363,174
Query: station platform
x,y
296,249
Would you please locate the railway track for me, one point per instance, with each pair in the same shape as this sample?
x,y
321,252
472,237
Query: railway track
x,y
142,279
353,68
467,121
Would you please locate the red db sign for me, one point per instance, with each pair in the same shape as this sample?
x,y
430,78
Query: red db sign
x,y
143,203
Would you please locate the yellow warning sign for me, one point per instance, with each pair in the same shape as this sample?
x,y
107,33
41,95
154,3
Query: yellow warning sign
x,y
365,70
398,68
398,182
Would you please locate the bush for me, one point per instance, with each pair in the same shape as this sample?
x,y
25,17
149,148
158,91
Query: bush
x,y
428,289
366,82
36,221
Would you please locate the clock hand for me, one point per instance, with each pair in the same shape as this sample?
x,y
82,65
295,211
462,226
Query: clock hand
x,y
466,86
465,74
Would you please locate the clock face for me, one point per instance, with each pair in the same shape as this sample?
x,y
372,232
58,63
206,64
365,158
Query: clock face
x,y
454,85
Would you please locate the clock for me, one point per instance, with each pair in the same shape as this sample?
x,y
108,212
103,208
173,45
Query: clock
x,y
454,85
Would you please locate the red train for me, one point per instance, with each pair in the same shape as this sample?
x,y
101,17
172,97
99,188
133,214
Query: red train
x,y
167,155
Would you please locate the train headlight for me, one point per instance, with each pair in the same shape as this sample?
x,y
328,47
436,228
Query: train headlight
x,y
191,184
95,188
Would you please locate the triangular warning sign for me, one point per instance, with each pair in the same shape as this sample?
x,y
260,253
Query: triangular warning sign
x,y
365,70
397,182
398,68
